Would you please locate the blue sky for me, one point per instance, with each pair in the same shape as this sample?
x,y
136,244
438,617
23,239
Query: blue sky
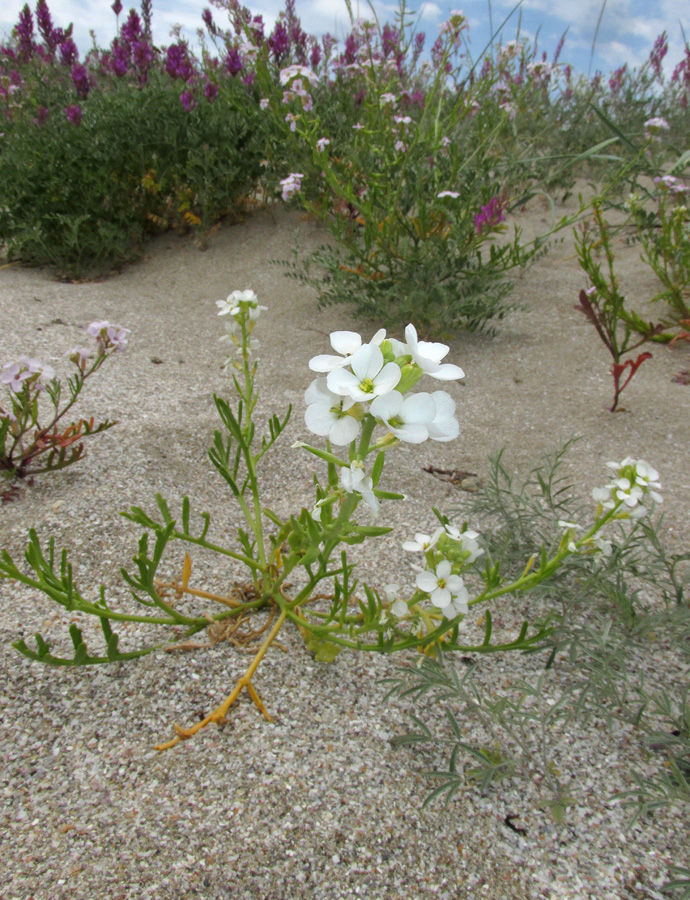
x,y
626,33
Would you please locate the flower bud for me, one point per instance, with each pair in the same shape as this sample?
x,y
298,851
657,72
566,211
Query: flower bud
x,y
410,375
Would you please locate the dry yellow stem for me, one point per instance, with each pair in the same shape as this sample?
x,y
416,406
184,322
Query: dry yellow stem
x,y
218,714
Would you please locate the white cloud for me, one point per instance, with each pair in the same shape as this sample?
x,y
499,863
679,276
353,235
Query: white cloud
x,y
324,16
615,53
429,11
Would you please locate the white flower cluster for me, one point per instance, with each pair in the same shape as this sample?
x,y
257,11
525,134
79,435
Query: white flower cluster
x,y
635,480
447,552
593,543
374,378
240,306
240,303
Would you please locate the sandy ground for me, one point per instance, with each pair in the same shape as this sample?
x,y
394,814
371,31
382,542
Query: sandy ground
x,y
317,804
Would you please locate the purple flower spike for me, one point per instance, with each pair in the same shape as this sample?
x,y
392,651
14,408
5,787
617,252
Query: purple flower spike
x,y
119,61
350,54
491,215
45,25
117,7
187,100
207,18
315,56
279,42
389,39
142,54
658,53
74,114
25,32
177,63
131,30
80,78
68,52
233,62
211,91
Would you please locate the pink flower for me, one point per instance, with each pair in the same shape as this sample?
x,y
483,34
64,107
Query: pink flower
x,y
291,185
187,100
490,215
25,368
74,113
109,336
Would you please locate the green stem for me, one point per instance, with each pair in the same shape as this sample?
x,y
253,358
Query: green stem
x,y
207,545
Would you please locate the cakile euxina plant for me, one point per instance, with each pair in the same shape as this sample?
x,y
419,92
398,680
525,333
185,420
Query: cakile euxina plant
x,y
297,567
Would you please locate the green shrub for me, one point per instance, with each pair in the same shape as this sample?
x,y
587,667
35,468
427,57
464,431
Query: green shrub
x,y
85,195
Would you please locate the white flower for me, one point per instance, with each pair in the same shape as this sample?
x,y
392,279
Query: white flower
x,y
635,479
354,480
453,194
468,539
422,542
603,495
630,494
369,377
398,608
447,591
408,417
390,591
233,307
326,414
656,122
606,547
346,343
291,72
648,478
231,328
444,426
321,144
428,356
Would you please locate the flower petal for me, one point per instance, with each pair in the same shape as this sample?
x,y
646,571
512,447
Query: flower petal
x,y
344,430
345,342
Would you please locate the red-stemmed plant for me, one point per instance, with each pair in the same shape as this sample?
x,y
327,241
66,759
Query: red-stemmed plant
x,y
604,305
